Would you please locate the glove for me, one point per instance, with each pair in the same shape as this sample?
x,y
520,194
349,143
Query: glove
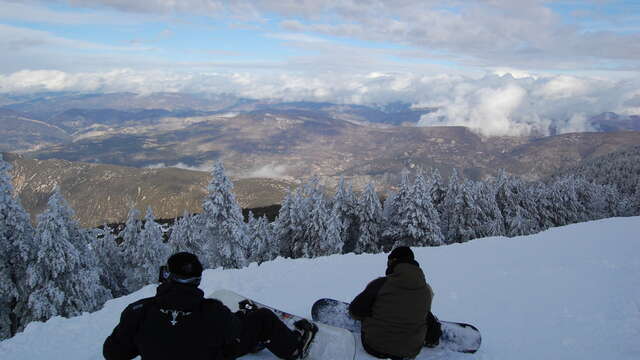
x,y
247,306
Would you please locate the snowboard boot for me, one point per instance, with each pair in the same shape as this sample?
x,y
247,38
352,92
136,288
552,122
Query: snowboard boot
x,y
307,331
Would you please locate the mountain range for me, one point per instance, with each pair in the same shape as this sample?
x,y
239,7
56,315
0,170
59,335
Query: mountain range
x,y
119,146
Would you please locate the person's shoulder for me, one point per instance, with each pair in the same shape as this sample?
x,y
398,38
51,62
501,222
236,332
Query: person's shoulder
x,y
214,304
377,283
138,305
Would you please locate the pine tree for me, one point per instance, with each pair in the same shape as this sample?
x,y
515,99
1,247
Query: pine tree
x,y
438,190
130,236
286,228
187,235
517,206
315,228
263,243
60,279
462,213
16,251
450,204
332,242
224,222
370,221
394,229
490,220
110,259
345,209
422,218
147,254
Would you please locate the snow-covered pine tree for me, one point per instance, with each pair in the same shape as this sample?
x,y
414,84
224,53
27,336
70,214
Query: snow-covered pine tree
x,y
147,255
517,205
438,189
393,227
285,227
16,251
450,204
110,259
370,221
227,231
315,228
59,279
345,208
422,218
130,236
332,242
463,213
490,220
263,246
187,236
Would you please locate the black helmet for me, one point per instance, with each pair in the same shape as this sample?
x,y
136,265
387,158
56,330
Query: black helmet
x,y
184,268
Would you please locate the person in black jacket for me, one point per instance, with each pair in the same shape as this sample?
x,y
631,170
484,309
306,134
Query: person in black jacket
x,y
179,323
395,310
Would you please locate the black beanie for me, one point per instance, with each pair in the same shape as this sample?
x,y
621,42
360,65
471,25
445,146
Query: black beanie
x,y
184,265
402,253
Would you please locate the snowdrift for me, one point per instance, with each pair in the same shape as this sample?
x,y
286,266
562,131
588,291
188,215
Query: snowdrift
x,y
567,293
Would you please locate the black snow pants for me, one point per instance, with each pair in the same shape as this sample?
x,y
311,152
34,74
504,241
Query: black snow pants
x,y
262,328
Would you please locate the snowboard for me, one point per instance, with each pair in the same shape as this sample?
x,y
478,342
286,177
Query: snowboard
x,y
330,342
455,336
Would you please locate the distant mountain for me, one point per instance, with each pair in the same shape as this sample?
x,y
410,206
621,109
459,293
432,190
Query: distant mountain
x,y
104,193
611,122
20,133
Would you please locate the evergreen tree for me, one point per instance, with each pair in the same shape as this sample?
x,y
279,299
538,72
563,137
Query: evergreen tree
x,y
16,251
450,204
393,222
187,235
225,224
462,213
370,221
315,228
110,259
130,236
147,254
422,218
490,220
345,209
264,247
60,280
438,190
286,228
332,242
517,205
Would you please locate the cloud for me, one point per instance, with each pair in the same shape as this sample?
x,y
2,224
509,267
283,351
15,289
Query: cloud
x,y
267,171
506,106
491,105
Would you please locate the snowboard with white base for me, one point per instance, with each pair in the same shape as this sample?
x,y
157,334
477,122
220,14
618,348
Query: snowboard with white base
x,y
329,343
459,337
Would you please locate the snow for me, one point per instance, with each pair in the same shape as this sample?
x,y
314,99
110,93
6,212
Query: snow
x,y
567,293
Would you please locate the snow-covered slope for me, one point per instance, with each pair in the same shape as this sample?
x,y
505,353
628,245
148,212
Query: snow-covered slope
x,y
567,293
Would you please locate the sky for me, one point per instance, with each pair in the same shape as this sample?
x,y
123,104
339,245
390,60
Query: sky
x,y
498,66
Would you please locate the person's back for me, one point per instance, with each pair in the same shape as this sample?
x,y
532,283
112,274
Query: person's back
x,y
393,310
177,323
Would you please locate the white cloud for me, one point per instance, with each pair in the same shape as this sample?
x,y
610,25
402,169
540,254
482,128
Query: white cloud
x,y
267,171
490,105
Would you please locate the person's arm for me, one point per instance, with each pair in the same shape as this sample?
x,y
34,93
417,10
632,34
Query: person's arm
x,y
120,344
362,305
228,328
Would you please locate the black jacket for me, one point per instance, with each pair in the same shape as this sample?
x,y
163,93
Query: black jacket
x,y
177,323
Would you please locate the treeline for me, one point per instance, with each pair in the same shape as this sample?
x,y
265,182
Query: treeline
x,y
57,268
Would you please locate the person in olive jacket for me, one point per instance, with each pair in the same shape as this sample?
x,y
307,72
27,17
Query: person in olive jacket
x,y
179,323
395,310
